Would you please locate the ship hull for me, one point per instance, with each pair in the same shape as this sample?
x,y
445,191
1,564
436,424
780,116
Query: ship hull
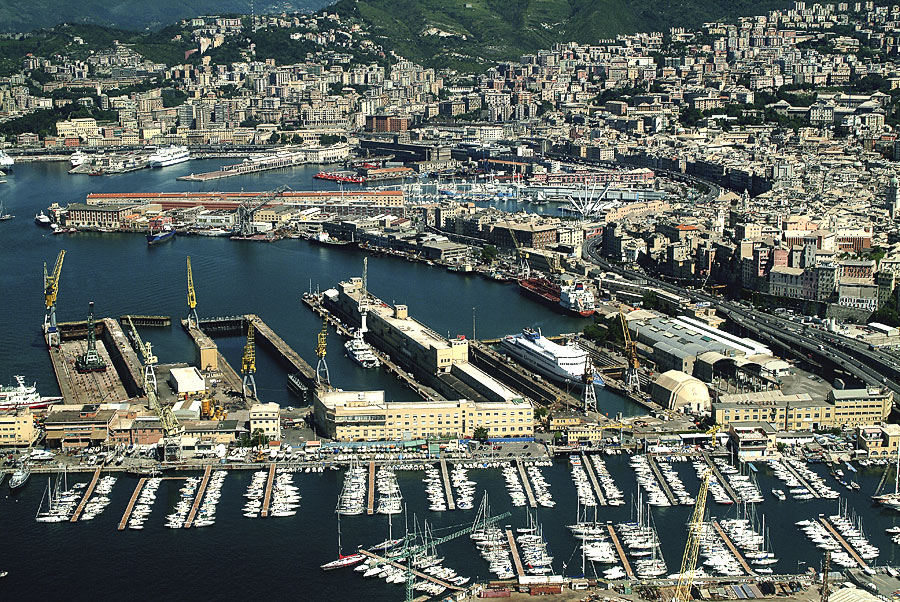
x,y
154,239
168,162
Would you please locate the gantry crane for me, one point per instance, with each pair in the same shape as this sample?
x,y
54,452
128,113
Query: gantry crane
x,y
51,289
321,349
248,362
632,380
168,421
695,534
589,397
192,318
248,209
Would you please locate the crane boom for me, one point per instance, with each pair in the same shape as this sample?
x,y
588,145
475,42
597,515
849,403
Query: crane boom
x,y
51,290
167,418
632,381
193,319
248,361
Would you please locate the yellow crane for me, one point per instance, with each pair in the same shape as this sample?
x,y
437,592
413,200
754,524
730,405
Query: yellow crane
x,y
248,362
695,534
167,418
51,290
321,349
632,381
192,318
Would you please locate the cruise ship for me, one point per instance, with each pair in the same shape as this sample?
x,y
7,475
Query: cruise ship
x,y
171,155
22,396
558,362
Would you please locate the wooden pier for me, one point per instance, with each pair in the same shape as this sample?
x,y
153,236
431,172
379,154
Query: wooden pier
x,y
625,564
370,508
662,482
419,574
737,553
589,469
198,499
800,478
847,547
514,551
267,499
134,496
448,490
721,479
523,474
87,495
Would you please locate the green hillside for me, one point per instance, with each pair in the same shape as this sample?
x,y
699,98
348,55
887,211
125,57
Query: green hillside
x,y
484,31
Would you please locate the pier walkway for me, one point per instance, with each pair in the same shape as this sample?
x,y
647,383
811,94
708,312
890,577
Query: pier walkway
x,y
589,469
800,478
370,508
662,481
419,574
514,551
87,495
721,479
267,499
524,476
737,554
625,564
198,499
134,496
448,490
840,539
285,351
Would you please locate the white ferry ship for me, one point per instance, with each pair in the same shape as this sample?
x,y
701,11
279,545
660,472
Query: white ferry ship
x,y
558,362
171,155
22,396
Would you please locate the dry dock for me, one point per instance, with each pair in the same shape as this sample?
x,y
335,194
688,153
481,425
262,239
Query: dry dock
x,y
87,495
618,545
370,507
198,499
134,496
589,469
524,476
447,488
285,352
268,497
737,554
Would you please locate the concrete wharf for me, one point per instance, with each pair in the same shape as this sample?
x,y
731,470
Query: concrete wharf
x,y
514,551
524,476
277,161
284,351
662,481
840,539
733,548
802,480
448,490
419,574
198,499
267,498
87,495
721,479
589,469
134,496
625,564
370,508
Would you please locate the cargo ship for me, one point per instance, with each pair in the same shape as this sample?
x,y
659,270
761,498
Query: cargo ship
x,y
573,299
167,233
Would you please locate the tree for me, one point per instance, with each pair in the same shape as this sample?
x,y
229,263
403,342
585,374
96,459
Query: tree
x,y
489,254
481,433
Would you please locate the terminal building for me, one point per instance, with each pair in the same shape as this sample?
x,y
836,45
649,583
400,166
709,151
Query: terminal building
x,y
366,416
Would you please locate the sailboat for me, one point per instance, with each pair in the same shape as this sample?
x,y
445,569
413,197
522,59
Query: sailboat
x,y
342,561
890,500
3,214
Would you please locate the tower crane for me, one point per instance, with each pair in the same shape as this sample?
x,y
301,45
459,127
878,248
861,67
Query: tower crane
x,y
321,349
695,534
248,362
192,318
51,289
167,419
248,209
589,397
524,268
632,380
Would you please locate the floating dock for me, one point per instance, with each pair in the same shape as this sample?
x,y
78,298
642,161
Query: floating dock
x,y
662,481
370,507
721,479
737,553
148,321
284,351
840,539
448,490
134,496
618,545
803,481
589,469
524,476
419,574
514,551
267,499
198,499
87,495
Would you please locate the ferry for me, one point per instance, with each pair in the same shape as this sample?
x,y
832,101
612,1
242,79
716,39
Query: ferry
x,y
559,362
22,396
171,155
6,162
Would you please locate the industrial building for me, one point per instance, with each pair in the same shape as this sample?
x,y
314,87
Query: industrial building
x,y
17,428
680,392
366,416
266,417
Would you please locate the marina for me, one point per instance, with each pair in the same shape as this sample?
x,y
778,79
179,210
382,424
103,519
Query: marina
x,y
88,492
134,498
734,551
198,499
590,473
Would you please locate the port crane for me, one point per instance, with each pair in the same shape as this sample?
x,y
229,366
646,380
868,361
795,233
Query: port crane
x,y
248,362
524,268
51,290
171,429
90,360
321,349
632,380
247,209
192,318
695,535
589,397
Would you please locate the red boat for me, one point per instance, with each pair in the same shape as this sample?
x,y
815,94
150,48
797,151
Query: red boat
x,y
578,302
541,289
343,561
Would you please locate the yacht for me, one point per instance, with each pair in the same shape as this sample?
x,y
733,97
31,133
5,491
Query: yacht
x,y
78,158
41,219
361,352
19,478
555,361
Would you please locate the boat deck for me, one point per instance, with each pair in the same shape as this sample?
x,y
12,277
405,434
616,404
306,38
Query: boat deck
x,y
370,507
733,548
134,496
803,481
618,545
448,490
514,551
524,476
267,499
421,575
87,495
721,479
589,469
840,539
661,480
198,499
